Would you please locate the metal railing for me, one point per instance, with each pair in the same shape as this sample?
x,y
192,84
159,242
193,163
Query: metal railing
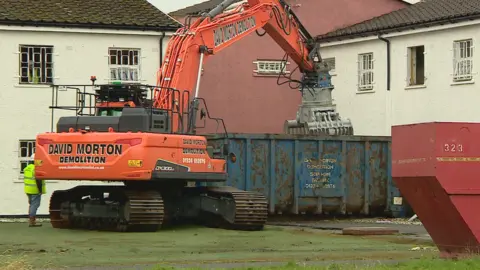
x,y
87,102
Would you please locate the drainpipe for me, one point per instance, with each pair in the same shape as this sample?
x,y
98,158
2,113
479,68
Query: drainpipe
x,y
161,48
388,60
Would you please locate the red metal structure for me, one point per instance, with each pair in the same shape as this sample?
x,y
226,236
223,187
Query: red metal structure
x,y
435,167
154,150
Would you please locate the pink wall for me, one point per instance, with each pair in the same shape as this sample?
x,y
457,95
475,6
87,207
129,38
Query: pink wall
x,y
253,104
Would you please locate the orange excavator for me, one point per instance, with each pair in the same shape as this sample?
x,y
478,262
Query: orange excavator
x,y
148,148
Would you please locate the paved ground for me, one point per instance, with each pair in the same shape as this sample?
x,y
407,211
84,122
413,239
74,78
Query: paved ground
x,y
404,227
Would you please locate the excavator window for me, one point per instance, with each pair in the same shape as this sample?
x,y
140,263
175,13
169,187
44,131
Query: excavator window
x,y
110,112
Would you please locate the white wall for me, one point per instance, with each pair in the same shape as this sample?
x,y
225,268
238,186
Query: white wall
x,y
373,113
24,108
366,119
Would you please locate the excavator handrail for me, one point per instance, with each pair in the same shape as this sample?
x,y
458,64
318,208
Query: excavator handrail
x,y
87,103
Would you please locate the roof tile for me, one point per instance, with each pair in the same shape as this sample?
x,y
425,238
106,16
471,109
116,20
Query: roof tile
x,y
205,7
120,13
420,14
198,8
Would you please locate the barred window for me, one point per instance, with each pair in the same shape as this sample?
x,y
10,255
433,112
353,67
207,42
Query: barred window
x,y
271,67
124,65
36,64
365,72
463,60
26,148
330,63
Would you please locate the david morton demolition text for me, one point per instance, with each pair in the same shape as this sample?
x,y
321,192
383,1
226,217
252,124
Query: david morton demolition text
x,y
85,153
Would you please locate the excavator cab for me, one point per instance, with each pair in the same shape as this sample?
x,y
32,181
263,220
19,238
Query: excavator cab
x,y
110,99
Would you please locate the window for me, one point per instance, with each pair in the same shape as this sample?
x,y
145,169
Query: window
x,y
416,66
124,65
330,63
271,67
26,148
36,64
365,71
110,112
462,60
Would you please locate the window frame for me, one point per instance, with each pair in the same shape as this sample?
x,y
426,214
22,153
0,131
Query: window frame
x,y
329,61
412,52
42,61
259,71
25,159
133,64
362,71
459,60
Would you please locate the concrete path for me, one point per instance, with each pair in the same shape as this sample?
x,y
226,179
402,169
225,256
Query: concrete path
x,y
407,229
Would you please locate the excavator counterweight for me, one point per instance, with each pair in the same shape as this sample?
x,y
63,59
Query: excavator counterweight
x,y
143,138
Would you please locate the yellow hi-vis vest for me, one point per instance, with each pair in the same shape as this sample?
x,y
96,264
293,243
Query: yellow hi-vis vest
x,y
29,181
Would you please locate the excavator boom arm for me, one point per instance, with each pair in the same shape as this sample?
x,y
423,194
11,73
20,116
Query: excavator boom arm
x,y
216,30
190,45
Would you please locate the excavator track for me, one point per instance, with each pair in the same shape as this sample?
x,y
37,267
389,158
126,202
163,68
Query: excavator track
x,y
145,211
56,219
251,208
134,210
124,209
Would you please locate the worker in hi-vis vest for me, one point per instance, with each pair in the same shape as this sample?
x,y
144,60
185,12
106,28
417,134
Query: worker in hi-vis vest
x,y
34,190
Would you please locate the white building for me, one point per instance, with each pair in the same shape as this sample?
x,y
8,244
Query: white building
x,y
413,65
65,44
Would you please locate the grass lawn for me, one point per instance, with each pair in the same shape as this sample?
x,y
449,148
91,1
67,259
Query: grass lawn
x,y
194,246
422,264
